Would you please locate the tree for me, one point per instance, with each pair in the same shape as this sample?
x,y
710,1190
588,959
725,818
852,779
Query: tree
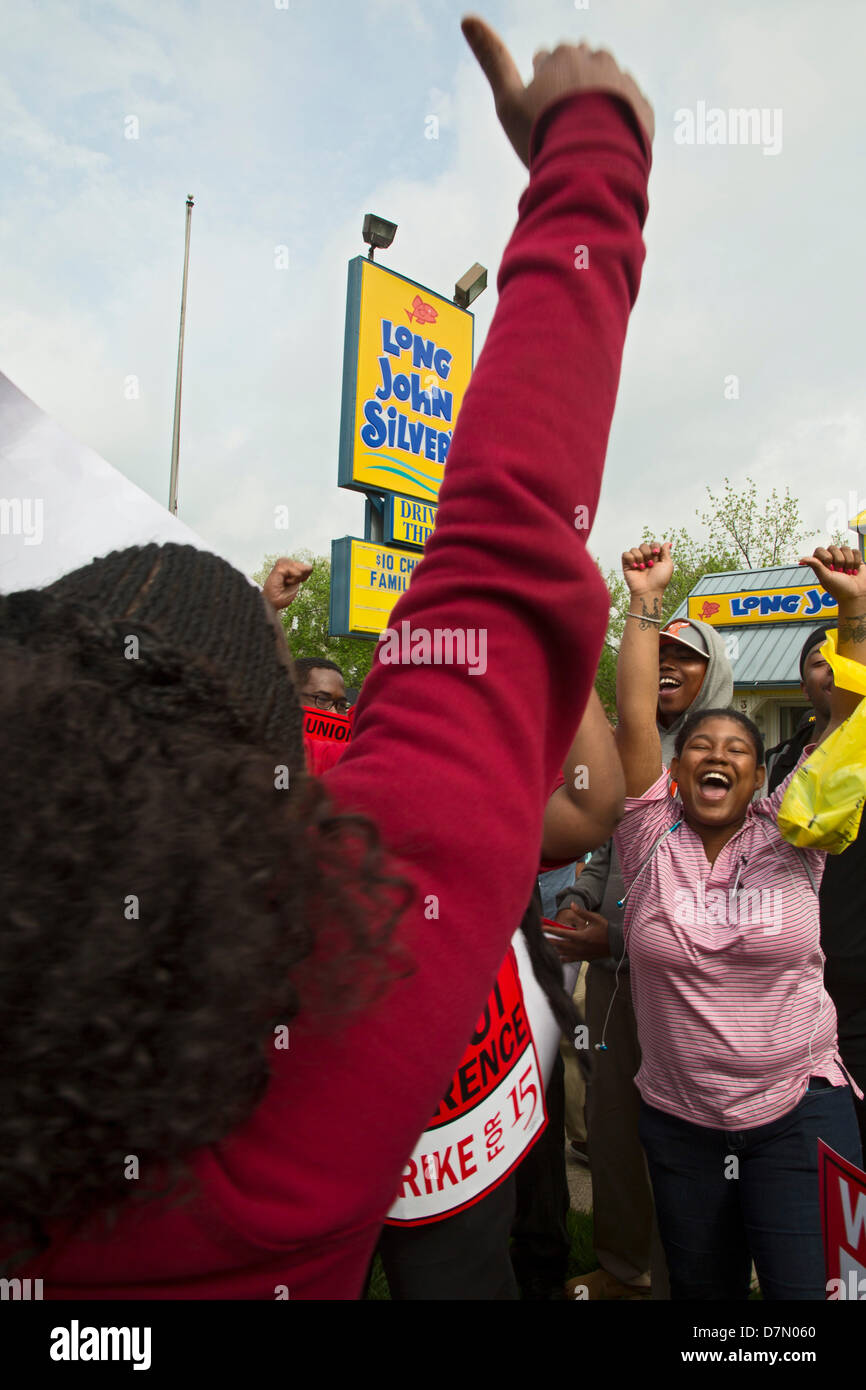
x,y
760,538
306,621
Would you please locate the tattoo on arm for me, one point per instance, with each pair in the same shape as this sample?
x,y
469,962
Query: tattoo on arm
x,y
853,629
650,613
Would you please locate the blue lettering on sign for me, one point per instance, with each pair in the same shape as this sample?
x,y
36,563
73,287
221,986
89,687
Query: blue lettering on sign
x,y
381,580
384,391
374,433
422,352
808,604
442,363
387,344
813,598
417,520
411,435
770,603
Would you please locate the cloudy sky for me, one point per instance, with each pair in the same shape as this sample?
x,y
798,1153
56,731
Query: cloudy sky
x,y
288,124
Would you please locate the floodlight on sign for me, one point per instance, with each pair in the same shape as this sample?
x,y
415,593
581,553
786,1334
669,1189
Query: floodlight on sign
x,y
378,232
470,285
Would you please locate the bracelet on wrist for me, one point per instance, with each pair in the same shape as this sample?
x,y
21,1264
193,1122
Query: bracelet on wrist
x,y
645,618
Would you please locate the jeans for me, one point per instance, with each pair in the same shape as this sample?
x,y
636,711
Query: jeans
x,y
725,1198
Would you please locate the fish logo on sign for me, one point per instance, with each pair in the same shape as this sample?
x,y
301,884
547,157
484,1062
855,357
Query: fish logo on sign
x,y
708,610
423,312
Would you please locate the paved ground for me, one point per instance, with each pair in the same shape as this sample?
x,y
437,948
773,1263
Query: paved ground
x,y
579,1183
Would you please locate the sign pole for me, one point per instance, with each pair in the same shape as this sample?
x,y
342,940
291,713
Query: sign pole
x,y
175,439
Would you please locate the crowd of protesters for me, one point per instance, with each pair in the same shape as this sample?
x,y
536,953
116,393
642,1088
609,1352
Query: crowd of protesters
x,y
227,1011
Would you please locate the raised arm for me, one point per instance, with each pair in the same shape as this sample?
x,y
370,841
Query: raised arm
x,y
454,764
842,573
647,570
583,813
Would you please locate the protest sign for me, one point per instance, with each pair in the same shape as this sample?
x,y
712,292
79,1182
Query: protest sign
x,y
843,1225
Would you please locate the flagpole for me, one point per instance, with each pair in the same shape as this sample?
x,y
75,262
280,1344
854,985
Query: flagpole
x,y
175,439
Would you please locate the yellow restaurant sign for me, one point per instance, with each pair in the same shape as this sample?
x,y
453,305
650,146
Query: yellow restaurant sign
x,y
408,522
406,365
764,605
366,581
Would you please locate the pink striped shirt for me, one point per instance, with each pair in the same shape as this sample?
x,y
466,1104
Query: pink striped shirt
x,y
727,970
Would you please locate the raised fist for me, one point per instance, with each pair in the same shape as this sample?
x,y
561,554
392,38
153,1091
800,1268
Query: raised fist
x,y
648,568
841,571
284,581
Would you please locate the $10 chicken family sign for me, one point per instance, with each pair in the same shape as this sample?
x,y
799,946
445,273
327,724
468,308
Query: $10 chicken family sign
x,y
407,363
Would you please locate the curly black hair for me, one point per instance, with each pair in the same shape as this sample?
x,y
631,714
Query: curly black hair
x,y
173,887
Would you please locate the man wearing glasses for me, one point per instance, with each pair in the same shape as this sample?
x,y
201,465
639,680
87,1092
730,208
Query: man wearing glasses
x,y
320,684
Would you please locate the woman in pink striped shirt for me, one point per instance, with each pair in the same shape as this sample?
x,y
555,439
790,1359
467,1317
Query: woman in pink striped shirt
x,y
741,1072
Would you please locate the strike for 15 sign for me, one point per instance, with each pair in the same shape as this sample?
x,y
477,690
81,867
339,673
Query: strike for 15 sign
x,y
491,1114
406,364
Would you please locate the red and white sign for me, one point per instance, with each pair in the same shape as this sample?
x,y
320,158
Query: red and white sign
x,y
843,1225
491,1114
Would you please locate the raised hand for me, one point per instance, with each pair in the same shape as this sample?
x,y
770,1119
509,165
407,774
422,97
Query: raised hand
x,y
284,581
842,573
569,68
648,568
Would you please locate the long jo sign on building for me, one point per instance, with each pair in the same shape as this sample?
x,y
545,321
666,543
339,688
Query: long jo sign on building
x,y
764,605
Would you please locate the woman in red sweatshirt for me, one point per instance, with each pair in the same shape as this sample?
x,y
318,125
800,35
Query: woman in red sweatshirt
x,y
189,1107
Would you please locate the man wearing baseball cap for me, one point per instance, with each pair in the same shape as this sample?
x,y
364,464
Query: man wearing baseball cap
x,y
842,897
694,674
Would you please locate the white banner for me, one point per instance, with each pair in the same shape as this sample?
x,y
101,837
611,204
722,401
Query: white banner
x,y
61,504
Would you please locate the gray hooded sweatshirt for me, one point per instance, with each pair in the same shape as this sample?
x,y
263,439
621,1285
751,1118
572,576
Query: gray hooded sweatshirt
x,y
601,886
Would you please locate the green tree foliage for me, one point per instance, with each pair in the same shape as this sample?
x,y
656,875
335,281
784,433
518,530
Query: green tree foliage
x,y
760,535
306,621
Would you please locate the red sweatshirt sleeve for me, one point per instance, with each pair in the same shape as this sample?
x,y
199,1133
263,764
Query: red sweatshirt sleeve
x,y
454,768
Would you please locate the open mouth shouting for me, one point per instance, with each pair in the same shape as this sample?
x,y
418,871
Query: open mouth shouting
x,y
714,785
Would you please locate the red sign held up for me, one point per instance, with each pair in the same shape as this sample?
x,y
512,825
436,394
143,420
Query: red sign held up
x,y
843,1225
335,728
